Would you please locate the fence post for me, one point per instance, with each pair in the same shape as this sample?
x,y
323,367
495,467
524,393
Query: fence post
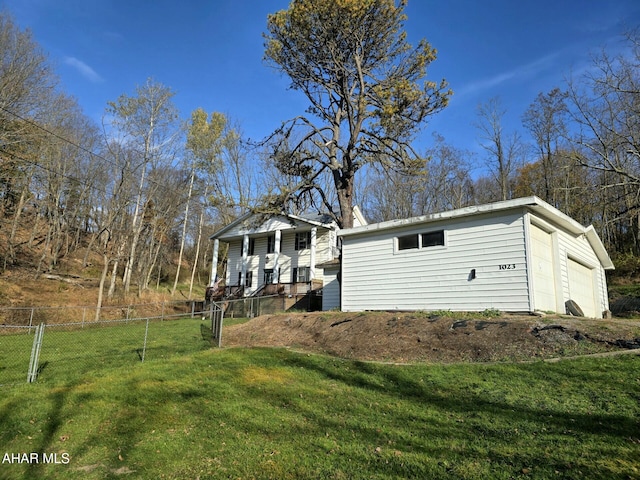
x,y
144,346
128,313
162,313
35,354
30,320
221,317
84,311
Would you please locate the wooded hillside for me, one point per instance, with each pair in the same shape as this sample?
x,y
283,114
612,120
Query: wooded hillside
x,y
134,199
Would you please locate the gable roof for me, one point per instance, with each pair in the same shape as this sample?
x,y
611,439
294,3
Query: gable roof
x,y
533,203
259,223
252,222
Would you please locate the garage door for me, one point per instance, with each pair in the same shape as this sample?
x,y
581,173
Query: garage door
x,y
581,287
544,285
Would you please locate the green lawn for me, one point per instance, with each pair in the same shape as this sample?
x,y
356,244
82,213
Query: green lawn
x,y
71,351
273,413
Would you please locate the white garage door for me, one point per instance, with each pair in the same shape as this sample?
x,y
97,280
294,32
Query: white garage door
x,y
581,287
544,285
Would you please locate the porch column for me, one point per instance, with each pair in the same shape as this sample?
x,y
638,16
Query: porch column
x,y
312,256
245,251
276,257
214,263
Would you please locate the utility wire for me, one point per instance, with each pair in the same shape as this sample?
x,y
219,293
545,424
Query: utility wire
x,y
80,147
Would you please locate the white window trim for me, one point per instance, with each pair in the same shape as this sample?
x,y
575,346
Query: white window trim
x,y
408,251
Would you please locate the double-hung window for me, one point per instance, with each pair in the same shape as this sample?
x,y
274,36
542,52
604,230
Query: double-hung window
x,y
247,280
303,240
301,274
268,275
252,246
271,244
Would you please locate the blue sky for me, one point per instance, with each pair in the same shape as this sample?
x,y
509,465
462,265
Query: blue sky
x,y
210,53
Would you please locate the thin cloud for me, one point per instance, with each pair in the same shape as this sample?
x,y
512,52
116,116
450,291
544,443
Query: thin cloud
x,y
84,69
522,71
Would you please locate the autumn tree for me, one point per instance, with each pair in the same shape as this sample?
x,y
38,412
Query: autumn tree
x,y
366,89
204,139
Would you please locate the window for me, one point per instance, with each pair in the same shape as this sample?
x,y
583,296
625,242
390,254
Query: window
x,y
247,280
408,242
271,244
303,240
301,274
433,239
252,246
268,275
423,240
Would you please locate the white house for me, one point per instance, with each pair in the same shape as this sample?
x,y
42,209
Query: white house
x,y
277,254
519,255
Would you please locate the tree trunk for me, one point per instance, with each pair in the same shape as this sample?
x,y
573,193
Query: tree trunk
x,y
197,254
184,231
103,277
137,229
344,182
10,253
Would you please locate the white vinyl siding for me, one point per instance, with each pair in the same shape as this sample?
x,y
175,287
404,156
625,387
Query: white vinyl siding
x,y
331,289
378,276
288,259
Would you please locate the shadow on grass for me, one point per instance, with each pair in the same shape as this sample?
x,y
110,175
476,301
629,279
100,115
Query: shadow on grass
x,y
487,422
55,418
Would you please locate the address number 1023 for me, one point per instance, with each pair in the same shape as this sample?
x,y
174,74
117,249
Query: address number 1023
x,y
507,266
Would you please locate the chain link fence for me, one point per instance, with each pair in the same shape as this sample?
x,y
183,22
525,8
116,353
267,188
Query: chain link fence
x,y
59,343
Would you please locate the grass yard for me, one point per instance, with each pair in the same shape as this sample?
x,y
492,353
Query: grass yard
x,y
68,353
273,413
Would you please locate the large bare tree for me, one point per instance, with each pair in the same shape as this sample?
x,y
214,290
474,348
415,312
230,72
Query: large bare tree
x,y
546,121
505,151
605,110
366,89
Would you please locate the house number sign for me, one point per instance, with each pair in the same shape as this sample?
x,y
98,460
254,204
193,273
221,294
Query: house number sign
x,y
507,266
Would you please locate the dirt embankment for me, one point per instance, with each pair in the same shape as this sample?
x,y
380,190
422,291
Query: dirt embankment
x,y
424,337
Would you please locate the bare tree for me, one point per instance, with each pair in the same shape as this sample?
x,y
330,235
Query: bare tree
x,y
27,86
505,151
148,124
546,120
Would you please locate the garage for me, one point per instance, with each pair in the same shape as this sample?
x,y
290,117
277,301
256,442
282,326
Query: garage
x,y
581,288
